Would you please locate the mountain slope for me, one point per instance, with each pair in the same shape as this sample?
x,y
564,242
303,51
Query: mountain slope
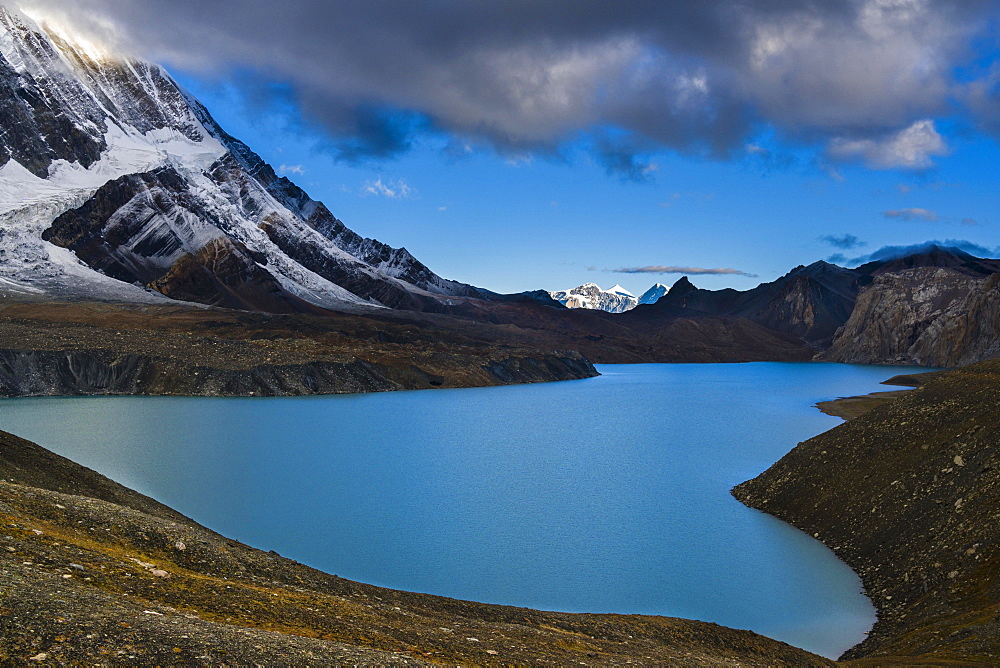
x,y
108,159
935,306
653,295
930,316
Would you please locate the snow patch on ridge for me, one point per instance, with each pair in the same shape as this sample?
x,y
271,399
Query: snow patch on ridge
x,y
29,201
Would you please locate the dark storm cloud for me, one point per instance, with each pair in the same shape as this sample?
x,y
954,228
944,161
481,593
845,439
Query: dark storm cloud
x,y
621,159
844,241
865,78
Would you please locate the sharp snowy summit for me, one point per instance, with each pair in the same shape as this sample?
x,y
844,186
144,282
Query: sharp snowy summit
x,y
117,184
613,300
653,295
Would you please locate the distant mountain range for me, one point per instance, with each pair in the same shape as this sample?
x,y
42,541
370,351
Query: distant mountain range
x,y
613,300
936,306
591,296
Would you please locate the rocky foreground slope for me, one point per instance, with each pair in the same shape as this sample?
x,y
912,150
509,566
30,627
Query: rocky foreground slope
x,y
95,573
908,494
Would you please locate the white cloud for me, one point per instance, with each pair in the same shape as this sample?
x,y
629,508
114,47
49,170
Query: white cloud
x,y
398,189
670,269
291,169
911,214
911,148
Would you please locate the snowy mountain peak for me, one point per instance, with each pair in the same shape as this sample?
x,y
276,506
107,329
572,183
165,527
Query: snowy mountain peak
x,y
116,184
591,296
619,290
653,295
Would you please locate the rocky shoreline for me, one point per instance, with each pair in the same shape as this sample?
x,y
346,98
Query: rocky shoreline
x,y
907,494
849,408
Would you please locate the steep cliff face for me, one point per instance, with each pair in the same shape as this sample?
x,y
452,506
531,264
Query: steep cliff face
x,y
973,334
927,316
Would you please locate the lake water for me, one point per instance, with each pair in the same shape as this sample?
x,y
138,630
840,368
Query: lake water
x,y
609,494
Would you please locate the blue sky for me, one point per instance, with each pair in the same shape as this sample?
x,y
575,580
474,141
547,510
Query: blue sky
x,y
545,144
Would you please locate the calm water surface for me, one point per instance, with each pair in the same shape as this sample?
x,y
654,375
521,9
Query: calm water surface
x,y
603,495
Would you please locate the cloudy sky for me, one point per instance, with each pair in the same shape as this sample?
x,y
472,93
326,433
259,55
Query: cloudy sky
x,y
525,144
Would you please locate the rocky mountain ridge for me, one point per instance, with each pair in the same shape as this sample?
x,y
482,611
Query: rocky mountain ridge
x,y
937,306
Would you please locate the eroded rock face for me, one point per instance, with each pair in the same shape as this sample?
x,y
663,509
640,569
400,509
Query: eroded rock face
x,y
99,372
926,316
225,273
37,128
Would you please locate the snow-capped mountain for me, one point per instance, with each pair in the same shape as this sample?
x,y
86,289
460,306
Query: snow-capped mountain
x,y
653,295
116,184
590,295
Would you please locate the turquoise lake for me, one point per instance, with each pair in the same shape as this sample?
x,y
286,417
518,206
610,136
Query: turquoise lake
x,y
609,494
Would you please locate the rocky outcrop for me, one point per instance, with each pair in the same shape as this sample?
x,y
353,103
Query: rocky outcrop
x,y
907,494
926,316
971,334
